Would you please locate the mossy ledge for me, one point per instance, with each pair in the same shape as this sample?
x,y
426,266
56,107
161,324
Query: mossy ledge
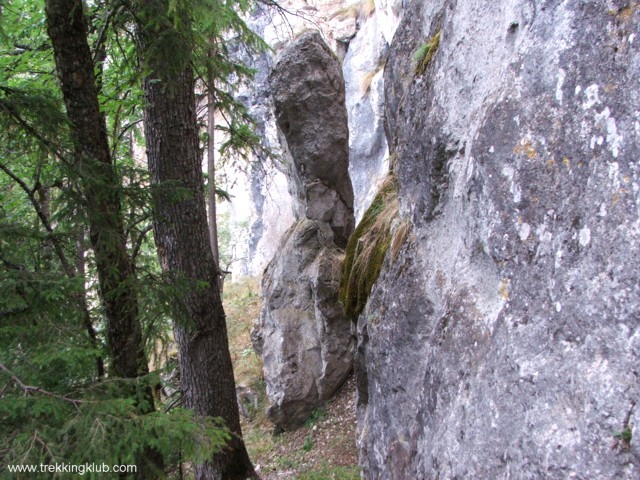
x,y
368,246
424,54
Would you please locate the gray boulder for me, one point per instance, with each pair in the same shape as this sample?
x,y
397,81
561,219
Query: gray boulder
x,y
308,92
504,340
302,335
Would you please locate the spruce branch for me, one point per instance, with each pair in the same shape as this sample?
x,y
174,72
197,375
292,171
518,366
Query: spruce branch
x,y
139,240
98,48
36,439
44,219
33,390
15,115
66,266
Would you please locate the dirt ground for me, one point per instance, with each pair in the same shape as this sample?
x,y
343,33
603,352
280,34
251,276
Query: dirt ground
x,y
324,448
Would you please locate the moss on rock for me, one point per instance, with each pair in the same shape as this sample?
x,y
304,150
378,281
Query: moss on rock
x,y
367,248
424,54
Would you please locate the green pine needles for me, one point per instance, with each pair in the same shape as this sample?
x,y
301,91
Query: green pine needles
x,y
98,424
59,401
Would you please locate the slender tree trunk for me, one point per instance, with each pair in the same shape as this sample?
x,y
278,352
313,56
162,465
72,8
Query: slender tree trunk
x,y
182,239
67,28
82,300
211,196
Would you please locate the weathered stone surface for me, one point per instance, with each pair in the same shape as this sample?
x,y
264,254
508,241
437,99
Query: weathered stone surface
x,y
363,68
308,94
260,211
303,336
503,342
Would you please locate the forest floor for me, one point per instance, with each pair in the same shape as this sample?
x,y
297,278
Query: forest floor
x,y
324,448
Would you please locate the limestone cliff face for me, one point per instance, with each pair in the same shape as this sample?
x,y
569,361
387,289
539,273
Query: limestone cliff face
x,y
261,210
503,342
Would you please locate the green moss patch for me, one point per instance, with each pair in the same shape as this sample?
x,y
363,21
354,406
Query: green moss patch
x,y
367,248
424,54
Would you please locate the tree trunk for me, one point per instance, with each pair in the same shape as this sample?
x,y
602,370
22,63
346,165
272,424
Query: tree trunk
x,y
211,197
67,28
68,32
182,238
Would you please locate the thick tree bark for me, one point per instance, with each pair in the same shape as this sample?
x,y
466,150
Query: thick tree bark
x,y
182,239
68,32
67,29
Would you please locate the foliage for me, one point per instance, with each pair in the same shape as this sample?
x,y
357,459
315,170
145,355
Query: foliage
x,y
230,235
336,472
316,416
307,446
243,302
625,435
98,423
367,248
424,54
210,31
55,404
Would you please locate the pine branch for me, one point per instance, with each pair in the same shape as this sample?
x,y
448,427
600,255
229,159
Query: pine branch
x,y
43,218
66,266
32,390
98,48
139,241
36,439
15,115
122,133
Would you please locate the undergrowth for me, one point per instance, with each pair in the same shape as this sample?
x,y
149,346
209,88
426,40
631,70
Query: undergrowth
x,y
326,472
242,303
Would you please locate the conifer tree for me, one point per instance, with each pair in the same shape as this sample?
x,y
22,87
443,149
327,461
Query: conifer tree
x,y
180,227
92,159
63,174
67,29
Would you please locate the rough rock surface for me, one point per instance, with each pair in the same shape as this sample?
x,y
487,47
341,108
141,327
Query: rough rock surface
x,y
302,335
260,212
363,68
304,338
308,94
503,342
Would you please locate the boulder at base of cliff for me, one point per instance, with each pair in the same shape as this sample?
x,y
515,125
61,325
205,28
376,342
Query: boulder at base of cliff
x,y
303,336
